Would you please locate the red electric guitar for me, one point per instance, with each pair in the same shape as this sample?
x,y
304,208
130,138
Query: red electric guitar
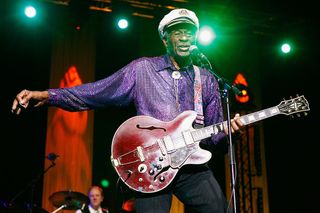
x,y
147,153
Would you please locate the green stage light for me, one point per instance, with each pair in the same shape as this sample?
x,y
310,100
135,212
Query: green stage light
x,y
206,35
123,23
105,183
285,48
30,11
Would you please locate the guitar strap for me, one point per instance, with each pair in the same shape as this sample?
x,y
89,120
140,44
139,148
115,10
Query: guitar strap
x,y
199,122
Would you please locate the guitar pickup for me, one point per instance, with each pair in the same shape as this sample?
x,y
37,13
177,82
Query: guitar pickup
x,y
131,157
169,144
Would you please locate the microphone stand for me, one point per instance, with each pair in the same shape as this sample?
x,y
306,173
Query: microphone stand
x,y
225,96
31,184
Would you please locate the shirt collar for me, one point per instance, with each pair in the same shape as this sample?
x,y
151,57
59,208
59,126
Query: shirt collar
x,y
166,63
93,210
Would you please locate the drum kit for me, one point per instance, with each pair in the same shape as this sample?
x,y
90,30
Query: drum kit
x,y
68,200
62,200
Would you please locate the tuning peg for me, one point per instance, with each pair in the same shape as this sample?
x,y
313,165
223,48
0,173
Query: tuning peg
x,y
291,117
298,115
305,113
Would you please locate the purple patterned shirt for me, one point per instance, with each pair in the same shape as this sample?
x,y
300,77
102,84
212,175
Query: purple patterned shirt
x,y
147,82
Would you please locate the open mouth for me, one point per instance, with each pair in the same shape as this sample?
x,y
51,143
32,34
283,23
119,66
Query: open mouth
x,y
184,48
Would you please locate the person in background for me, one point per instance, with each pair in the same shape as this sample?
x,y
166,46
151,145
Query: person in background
x,y
95,195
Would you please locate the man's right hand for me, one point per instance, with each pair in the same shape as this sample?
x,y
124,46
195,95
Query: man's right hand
x,y
23,98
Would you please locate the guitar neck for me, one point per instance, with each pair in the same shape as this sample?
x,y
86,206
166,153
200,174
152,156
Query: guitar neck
x,y
259,115
206,132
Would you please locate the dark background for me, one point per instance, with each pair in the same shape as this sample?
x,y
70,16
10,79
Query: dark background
x,y
291,144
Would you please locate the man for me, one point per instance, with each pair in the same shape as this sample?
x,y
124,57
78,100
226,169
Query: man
x,y
161,87
95,195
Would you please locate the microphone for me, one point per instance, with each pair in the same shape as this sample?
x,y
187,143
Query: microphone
x,y
52,156
195,52
203,60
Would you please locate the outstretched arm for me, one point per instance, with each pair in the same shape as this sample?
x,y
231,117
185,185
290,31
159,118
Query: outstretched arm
x,y
26,98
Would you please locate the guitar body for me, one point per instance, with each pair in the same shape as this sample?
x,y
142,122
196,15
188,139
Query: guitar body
x,y
147,153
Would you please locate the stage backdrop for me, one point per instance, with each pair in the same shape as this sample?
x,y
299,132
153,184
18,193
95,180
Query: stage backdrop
x,y
70,134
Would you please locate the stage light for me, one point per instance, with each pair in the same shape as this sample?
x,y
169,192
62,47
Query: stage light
x,y
105,183
30,11
285,48
244,92
123,23
206,35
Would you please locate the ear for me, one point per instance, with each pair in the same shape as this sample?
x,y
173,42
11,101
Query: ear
x,y
165,43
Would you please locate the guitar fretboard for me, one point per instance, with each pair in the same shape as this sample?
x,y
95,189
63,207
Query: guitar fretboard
x,y
206,132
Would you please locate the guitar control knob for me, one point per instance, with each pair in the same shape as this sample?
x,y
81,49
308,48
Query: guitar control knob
x,y
162,179
151,172
142,168
160,158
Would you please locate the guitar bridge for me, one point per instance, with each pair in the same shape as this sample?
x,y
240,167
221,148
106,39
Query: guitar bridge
x,y
131,157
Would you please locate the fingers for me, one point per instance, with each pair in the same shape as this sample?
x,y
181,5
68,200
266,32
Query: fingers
x,y
24,98
236,124
225,127
21,102
16,109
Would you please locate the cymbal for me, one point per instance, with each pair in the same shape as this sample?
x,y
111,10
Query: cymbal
x,y
73,200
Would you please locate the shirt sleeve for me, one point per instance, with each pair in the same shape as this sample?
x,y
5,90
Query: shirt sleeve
x,y
117,89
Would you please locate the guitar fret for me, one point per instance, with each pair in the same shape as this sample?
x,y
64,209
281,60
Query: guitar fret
x,y
206,132
198,134
262,115
220,127
259,115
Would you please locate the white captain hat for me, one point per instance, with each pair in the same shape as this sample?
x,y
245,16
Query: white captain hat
x,y
178,16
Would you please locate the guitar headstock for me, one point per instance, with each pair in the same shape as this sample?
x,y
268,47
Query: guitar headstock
x,y
294,105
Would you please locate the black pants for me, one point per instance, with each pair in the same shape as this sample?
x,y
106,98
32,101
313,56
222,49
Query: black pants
x,y
195,186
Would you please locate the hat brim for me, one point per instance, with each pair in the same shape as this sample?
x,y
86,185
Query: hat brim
x,y
180,21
